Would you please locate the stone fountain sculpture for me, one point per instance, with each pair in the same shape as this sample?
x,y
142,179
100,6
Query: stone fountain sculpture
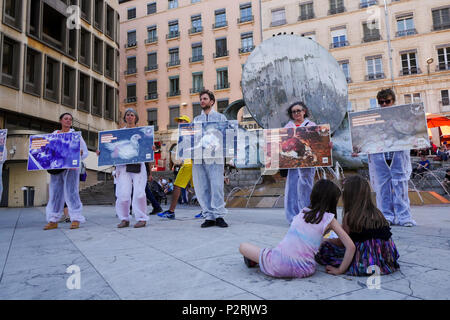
x,y
289,68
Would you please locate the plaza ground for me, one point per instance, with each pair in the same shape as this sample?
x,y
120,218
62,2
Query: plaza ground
x,y
176,259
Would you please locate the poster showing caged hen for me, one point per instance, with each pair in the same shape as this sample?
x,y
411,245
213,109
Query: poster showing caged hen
x,y
126,146
54,151
387,129
301,147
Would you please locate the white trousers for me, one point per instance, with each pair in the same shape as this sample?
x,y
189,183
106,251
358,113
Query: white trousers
x,y
127,181
64,188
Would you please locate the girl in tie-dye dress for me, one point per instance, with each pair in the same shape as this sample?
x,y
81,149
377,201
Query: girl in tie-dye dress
x,y
294,256
369,230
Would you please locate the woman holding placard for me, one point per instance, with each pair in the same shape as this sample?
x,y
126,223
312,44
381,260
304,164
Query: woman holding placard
x,y
131,177
64,186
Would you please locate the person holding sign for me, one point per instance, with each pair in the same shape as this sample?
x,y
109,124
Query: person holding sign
x,y
389,176
208,177
299,181
64,186
131,177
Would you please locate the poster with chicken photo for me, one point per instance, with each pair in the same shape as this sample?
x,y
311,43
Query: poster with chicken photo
x,y
387,129
301,147
207,140
126,146
3,134
54,151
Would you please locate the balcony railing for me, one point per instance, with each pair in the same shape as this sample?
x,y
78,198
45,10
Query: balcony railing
x,y
222,86
150,68
131,44
445,101
173,63
408,32
219,24
365,4
246,49
173,93
220,54
195,30
339,44
130,99
172,35
375,76
151,96
196,90
443,66
151,40
196,59
245,19
441,26
372,37
130,71
336,10
413,70
308,16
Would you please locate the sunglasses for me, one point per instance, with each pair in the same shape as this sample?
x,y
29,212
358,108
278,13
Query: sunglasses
x,y
296,111
381,102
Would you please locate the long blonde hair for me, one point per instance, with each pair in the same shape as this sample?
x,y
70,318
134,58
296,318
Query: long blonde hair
x,y
359,210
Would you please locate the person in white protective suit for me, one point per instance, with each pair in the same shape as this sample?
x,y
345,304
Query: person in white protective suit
x,y
389,176
64,186
131,177
300,181
208,173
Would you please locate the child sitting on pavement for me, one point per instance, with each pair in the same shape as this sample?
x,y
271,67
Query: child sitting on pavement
x,y
294,255
369,230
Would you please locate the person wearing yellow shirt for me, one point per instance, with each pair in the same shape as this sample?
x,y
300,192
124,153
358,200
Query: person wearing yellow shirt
x,y
182,179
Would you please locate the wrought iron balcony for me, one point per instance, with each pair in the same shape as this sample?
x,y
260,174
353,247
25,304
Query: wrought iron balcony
x,y
173,93
151,96
130,71
151,40
339,44
219,24
336,10
245,19
130,99
375,76
150,68
246,49
221,86
441,26
173,63
131,44
196,59
443,66
194,30
412,70
304,17
372,37
220,54
408,32
172,35
196,90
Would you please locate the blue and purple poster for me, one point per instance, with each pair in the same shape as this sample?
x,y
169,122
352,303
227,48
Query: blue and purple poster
x,y
54,151
126,146
3,134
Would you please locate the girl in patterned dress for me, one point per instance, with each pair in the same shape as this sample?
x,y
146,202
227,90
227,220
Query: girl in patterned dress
x,y
369,230
294,255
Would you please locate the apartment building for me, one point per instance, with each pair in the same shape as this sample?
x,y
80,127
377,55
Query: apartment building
x,y
403,44
56,56
171,50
